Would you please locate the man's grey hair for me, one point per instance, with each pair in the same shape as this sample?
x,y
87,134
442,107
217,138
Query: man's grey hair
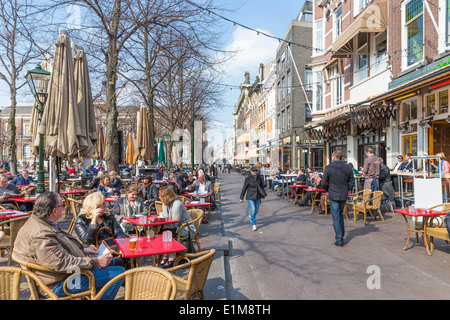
x,y
45,203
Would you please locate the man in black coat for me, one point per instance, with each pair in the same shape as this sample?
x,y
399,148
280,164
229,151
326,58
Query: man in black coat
x,y
337,180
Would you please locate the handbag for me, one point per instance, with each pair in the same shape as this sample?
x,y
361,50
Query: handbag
x,y
107,239
189,244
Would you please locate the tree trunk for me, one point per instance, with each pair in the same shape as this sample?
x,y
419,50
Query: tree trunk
x,y
12,146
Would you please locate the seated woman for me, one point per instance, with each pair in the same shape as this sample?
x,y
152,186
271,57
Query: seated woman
x,y
105,187
174,209
116,182
95,224
128,206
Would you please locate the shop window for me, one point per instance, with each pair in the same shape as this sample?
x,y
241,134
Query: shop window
x,y
443,101
431,105
410,144
409,111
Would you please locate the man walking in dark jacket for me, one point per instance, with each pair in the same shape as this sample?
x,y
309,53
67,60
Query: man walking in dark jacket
x,y
337,180
254,187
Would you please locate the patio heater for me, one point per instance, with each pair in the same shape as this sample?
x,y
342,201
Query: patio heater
x,y
38,80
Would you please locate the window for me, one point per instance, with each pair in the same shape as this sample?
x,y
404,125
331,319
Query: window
x,y
409,111
413,31
26,151
288,81
283,87
362,4
26,129
318,37
337,86
362,59
447,22
318,93
431,105
410,144
282,121
279,92
381,56
288,118
308,79
443,102
337,22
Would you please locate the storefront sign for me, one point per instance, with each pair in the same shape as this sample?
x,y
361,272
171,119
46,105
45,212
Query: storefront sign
x,y
442,63
287,140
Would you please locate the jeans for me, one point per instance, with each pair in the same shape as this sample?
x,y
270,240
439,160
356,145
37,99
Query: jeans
x,y
254,208
102,276
337,209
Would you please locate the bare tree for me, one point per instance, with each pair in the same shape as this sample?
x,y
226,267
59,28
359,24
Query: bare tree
x,y
16,50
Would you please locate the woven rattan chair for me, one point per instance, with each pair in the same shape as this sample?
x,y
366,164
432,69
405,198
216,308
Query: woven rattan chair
x,y
370,204
145,283
10,283
197,217
7,242
357,197
35,294
435,226
182,198
217,191
158,206
192,285
75,206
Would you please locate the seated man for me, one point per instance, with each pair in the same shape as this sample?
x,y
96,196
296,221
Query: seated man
x,y
42,242
23,180
7,190
201,186
149,191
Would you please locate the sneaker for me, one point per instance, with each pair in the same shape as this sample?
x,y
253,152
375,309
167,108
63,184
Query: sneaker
x,y
254,228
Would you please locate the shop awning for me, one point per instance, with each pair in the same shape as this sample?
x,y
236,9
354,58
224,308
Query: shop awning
x,y
330,118
243,138
373,19
241,156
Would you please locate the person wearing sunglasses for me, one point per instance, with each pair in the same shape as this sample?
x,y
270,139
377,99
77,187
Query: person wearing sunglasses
x,y
254,191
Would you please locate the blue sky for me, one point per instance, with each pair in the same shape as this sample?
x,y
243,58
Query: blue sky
x,y
271,17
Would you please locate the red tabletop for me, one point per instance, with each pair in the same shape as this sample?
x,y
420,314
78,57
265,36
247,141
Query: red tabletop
x,y
299,186
151,220
74,191
196,204
315,190
420,212
31,199
110,199
10,214
148,247
159,182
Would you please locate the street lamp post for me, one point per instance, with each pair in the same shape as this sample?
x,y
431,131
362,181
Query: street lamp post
x,y
166,138
38,80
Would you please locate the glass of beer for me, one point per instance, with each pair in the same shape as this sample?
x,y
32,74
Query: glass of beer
x,y
133,241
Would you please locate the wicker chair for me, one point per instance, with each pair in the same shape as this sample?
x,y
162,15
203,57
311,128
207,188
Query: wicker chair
x,y
357,197
192,285
35,295
158,206
435,227
10,283
75,206
197,217
369,204
182,199
145,283
217,192
7,242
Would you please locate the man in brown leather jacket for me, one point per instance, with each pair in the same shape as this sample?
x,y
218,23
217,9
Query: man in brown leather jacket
x,y
42,242
371,169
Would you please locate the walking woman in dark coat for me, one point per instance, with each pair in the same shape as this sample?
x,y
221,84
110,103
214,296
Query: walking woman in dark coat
x,y
254,188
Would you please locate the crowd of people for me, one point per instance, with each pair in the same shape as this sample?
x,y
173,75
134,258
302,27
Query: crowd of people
x,y
43,242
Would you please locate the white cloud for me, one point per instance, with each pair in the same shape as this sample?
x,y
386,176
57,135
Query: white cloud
x,y
253,50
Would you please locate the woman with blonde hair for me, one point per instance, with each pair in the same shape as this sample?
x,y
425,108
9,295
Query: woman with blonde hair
x,y
444,165
174,209
95,224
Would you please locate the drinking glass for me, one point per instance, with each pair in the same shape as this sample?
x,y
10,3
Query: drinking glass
x,y
140,226
133,241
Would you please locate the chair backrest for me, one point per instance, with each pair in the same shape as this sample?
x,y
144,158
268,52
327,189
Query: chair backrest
x,y
29,266
10,283
197,217
216,187
158,206
182,199
145,283
376,199
14,227
75,206
199,265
